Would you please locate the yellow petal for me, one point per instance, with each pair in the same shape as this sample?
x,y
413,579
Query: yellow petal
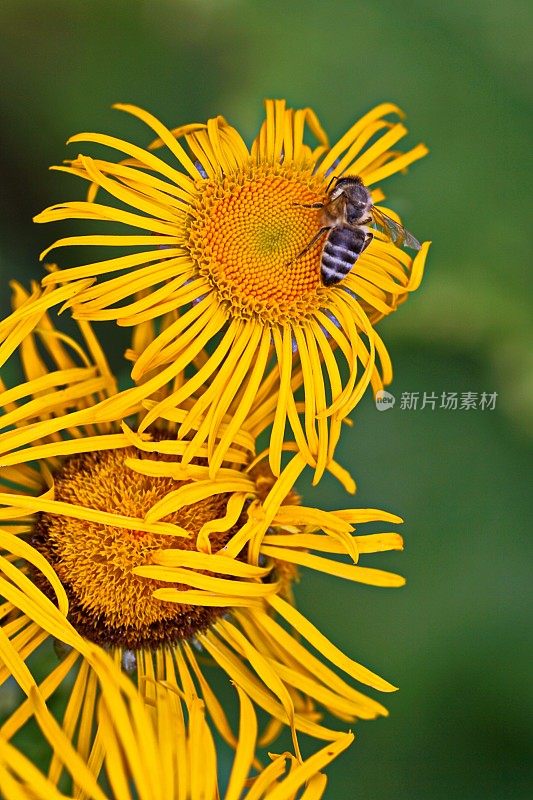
x,y
24,550
310,767
327,648
245,748
267,674
373,577
204,561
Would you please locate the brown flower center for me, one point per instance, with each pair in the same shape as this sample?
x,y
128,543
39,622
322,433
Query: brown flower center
x,y
109,604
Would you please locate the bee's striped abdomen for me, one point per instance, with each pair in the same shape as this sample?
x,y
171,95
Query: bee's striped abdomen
x,y
341,250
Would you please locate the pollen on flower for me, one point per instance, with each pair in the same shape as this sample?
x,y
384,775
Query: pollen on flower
x,y
108,603
245,236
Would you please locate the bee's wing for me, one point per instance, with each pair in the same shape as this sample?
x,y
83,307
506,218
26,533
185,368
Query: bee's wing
x,y
398,234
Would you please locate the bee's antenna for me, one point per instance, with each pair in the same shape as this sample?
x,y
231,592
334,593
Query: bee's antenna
x,y
334,178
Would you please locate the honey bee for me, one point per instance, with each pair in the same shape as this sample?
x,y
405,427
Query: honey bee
x,y
347,212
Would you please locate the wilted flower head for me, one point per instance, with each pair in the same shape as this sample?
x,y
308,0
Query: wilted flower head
x,y
221,228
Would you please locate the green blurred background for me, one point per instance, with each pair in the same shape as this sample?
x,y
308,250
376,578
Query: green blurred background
x,y
457,639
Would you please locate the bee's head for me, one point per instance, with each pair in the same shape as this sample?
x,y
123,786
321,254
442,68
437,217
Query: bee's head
x,y
355,192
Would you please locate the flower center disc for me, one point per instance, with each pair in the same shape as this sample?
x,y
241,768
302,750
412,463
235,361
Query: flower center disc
x,y
246,237
94,561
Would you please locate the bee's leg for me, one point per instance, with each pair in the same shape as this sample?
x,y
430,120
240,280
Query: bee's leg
x,y
369,237
313,241
309,205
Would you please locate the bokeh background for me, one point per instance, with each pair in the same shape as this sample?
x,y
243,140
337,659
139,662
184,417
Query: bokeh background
x,y
457,639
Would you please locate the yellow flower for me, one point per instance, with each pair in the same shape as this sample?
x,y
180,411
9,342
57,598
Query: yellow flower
x,y
161,750
109,542
222,228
